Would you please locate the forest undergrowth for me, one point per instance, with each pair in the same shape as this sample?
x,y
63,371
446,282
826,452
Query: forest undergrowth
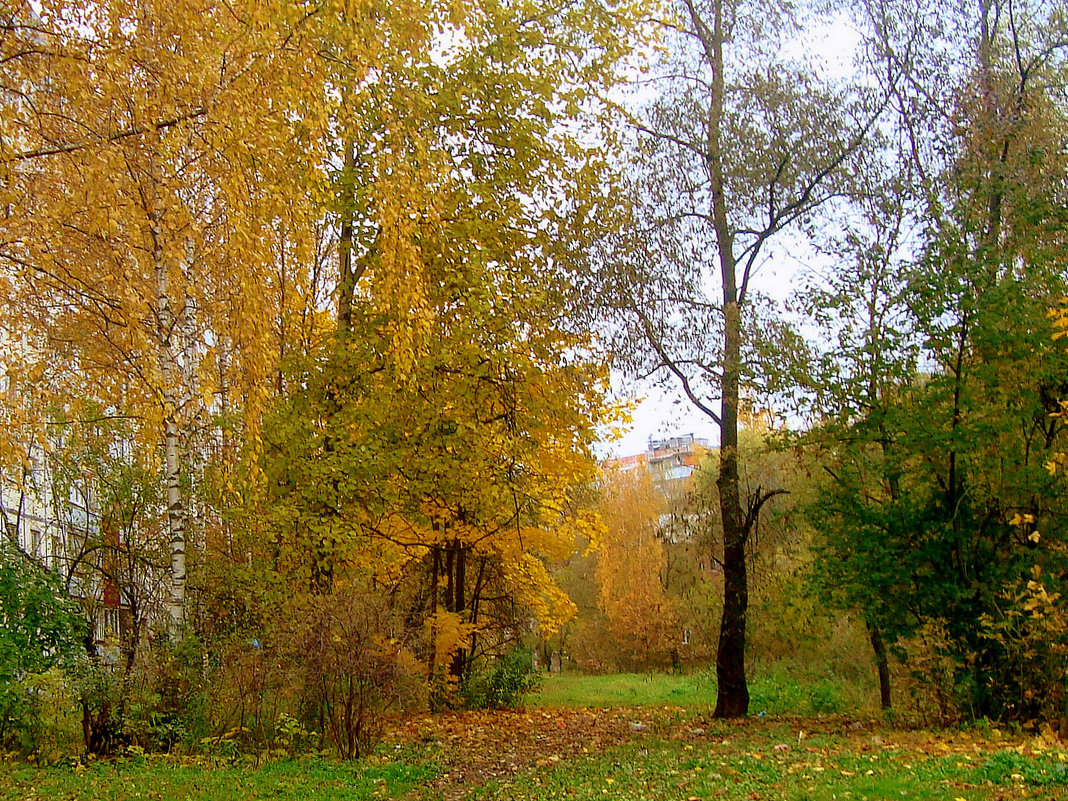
x,y
648,749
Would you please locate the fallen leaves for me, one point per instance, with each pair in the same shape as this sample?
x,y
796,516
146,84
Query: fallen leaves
x,y
475,747
702,759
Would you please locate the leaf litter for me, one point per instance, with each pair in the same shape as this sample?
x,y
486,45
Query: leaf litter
x,y
705,758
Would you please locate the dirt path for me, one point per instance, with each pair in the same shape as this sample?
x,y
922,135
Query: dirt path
x,y
475,747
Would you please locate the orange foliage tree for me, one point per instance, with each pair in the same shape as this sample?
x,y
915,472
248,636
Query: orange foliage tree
x,y
630,561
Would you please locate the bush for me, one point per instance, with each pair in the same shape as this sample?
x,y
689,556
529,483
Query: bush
x,y
48,727
175,712
252,690
934,679
788,689
40,632
503,683
355,671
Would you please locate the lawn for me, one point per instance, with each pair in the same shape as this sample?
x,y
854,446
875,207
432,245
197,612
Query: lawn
x,y
167,780
776,762
634,738
780,691
624,689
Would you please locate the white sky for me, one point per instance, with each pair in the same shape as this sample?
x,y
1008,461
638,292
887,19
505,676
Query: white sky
x,y
666,413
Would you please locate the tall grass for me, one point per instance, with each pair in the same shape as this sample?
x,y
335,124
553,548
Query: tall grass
x,y
624,689
783,690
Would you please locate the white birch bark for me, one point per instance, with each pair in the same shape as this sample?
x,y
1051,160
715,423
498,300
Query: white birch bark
x,y
169,373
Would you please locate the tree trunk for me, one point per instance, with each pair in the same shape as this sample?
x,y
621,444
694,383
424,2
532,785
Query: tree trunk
x,y
175,517
347,278
435,570
459,605
882,664
732,699
169,372
476,594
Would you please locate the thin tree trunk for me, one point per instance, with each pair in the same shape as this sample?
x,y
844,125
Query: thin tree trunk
x,y
732,699
476,594
175,517
347,280
882,664
450,577
878,645
459,661
435,569
168,365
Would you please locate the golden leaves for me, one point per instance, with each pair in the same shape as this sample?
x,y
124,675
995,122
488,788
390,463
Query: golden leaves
x,y
176,246
629,564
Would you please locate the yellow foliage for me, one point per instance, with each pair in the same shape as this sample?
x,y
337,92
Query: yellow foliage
x,y
630,561
1059,317
173,190
450,634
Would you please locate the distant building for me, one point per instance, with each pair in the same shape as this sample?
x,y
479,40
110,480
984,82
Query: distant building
x,y
60,531
676,458
667,460
670,463
51,515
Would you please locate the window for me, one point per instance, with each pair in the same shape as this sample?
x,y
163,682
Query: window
x,y
107,625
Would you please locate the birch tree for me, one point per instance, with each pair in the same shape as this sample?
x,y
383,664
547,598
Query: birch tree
x,y
132,142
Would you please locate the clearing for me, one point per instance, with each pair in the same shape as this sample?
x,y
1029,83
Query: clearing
x,y
645,751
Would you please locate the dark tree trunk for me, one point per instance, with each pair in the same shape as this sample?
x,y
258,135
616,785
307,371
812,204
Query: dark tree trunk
x,y
459,606
732,698
347,274
435,570
882,665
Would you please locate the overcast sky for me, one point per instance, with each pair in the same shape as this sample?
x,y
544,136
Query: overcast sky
x,y
666,413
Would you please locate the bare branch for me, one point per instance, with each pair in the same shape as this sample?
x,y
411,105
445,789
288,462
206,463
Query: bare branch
x,y
673,366
113,136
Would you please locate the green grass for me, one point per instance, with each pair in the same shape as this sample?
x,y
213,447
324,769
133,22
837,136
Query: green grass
x,y
775,693
682,754
624,689
754,768
732,762
161,780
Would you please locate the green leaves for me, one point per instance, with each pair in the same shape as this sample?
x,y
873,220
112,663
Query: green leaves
x,y
39,626
935,460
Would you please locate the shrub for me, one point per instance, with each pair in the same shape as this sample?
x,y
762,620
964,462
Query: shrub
x,y
355,669
503,683
40,631
252,690
177,706
790,689
49,727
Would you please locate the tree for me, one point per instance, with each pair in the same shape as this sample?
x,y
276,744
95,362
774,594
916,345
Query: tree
x,y
179,178
150,197
454,472
743,146
857,382
440,438
926,527
630,563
